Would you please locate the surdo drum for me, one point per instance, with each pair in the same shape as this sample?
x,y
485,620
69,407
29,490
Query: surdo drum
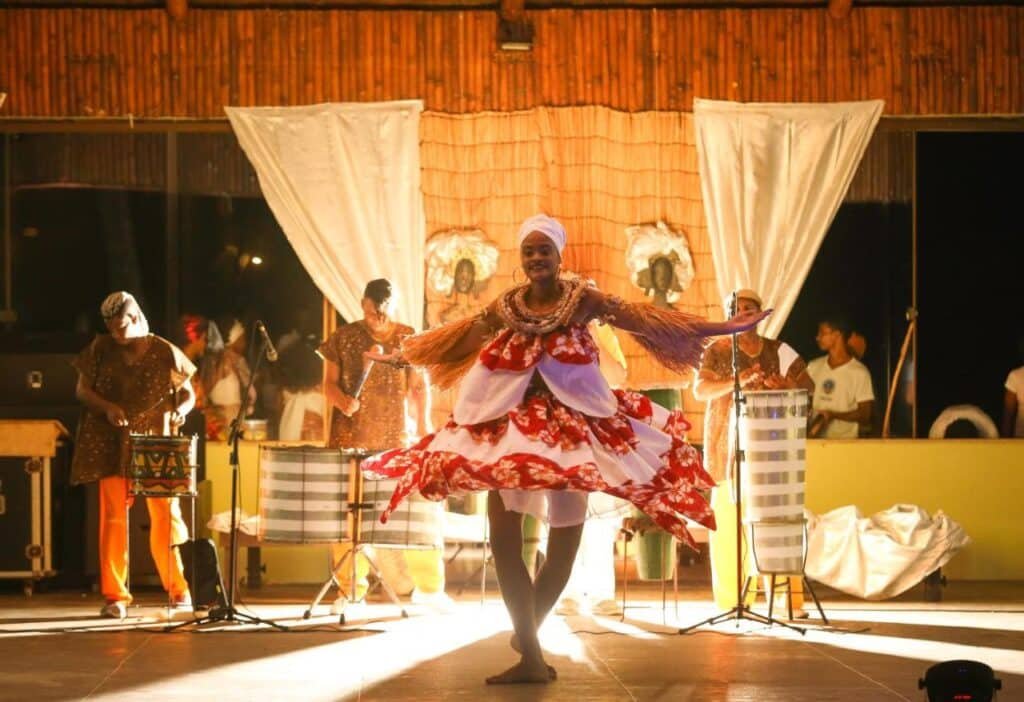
x,y
310,495
773,436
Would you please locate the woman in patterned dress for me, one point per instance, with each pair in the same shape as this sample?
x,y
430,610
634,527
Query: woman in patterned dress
x,y
537,424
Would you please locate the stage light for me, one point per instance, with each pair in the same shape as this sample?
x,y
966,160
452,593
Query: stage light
x,y
956,681
257,260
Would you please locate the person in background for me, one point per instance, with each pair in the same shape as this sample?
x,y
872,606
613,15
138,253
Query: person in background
x,y
225,375
1013,398
843,398
302,400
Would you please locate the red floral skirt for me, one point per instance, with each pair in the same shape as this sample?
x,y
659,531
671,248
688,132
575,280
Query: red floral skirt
x,y
543,444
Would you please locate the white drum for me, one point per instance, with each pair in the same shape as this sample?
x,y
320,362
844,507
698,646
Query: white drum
x,y
416,524
773,437
304,494
307,496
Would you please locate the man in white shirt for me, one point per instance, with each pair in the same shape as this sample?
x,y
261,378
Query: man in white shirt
x,y
1013,418
843,397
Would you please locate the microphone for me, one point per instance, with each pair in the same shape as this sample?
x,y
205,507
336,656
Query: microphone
x,y
734,304
267,343
367,367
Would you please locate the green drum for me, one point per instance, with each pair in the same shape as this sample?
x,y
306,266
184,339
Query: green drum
x,y
655,554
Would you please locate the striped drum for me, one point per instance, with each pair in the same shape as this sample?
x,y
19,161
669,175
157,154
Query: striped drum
x,y
306,495
773,436
417,523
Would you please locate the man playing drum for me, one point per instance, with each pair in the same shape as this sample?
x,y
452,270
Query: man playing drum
x,y
763,364
370,413
131,382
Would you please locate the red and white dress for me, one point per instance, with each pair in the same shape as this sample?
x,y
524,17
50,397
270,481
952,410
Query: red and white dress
x,y
535,419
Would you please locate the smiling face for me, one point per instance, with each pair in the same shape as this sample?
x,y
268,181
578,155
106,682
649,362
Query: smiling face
x,y
539,257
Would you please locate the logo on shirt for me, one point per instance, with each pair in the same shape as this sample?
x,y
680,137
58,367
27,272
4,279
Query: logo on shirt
x,y
829,386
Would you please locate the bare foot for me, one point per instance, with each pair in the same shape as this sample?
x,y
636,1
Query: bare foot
x,y
514,643
523,672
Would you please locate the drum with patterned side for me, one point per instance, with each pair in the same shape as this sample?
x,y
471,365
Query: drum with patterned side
x,y
162,466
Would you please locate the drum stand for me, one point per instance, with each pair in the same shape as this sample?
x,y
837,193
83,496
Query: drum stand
x,y
356,506
741,610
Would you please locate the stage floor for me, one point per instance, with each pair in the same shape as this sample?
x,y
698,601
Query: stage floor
x,y
52,647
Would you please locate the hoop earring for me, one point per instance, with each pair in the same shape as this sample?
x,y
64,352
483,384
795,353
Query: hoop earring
x,y
515,273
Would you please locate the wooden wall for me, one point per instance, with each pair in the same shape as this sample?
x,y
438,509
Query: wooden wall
x,y
116,62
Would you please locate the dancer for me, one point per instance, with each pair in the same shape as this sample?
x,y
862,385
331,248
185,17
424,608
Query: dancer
x,y
535,420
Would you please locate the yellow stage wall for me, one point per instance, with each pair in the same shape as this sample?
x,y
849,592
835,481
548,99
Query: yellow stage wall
x,y
979,483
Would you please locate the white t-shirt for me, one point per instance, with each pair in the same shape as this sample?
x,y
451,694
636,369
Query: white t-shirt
x,y
1015,384
840,390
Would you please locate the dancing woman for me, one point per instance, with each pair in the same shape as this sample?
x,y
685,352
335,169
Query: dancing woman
x,y
536,423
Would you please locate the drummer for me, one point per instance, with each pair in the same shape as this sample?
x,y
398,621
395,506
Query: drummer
x,y
131,382
763,364
371,408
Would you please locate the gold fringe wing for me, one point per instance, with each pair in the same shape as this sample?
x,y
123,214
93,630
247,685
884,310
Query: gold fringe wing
x,y
675,339
428,349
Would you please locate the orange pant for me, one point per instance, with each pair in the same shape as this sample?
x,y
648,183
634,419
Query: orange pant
x,y
166,529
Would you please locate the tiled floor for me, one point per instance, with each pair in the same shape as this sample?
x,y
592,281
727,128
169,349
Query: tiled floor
x,y
874,651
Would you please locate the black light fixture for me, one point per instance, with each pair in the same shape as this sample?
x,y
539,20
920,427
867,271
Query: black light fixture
x,y
515,35
515,32
960,681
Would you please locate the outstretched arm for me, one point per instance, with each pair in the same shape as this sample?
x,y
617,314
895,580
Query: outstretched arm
x,y
636,318
674,338
483,328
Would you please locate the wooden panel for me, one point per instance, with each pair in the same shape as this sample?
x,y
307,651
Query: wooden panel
x,y
90,62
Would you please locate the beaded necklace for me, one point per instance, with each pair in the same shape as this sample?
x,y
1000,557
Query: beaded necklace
x,y
517,316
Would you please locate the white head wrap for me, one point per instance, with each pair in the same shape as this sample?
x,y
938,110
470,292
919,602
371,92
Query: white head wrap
x,y
214,341
120,303
234,333
548,226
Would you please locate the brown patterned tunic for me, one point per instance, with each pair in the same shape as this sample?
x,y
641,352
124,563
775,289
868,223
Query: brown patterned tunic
x,y
379,423
717,362
101,449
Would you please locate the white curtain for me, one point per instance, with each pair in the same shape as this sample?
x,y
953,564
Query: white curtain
x,y
343,181
772,177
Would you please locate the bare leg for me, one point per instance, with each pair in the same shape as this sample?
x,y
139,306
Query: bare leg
x,y
563,542
518,592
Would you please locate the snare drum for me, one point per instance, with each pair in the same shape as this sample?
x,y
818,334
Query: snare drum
x,y
162,466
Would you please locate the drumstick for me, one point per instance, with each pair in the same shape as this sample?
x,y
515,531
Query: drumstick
x,y
368,361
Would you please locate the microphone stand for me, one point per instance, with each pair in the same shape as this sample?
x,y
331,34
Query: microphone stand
x,y
741,610
229,612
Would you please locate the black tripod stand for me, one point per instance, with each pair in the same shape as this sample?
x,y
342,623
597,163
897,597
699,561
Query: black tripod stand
x,y
228,612
741,610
